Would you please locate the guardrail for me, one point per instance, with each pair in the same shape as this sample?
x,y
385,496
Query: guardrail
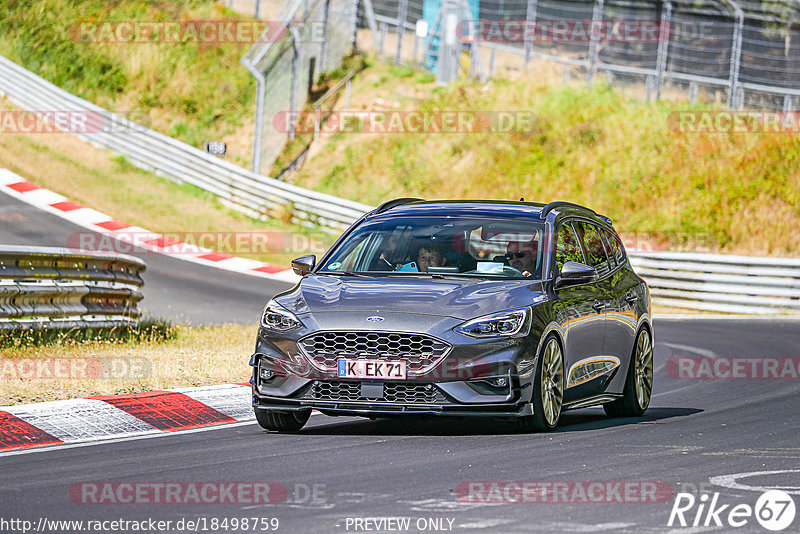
x,y
58,288
257,195
726,283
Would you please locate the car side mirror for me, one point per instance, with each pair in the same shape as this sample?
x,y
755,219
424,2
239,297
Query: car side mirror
x,y
575,273
304,264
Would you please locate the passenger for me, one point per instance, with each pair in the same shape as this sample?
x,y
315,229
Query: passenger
x,y
521,255
429,255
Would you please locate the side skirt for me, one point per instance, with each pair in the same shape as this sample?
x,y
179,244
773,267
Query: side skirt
x,y
591,401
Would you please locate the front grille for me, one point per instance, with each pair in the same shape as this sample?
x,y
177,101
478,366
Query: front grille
x,y
420,352
395,392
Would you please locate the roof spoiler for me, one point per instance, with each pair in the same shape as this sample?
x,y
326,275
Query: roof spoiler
x,y
386,206
563,204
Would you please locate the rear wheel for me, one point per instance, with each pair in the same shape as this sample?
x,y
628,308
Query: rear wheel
x,y
548,389
282,422
639,382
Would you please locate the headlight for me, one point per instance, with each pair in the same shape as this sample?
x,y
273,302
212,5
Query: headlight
x,y
511,323
278,318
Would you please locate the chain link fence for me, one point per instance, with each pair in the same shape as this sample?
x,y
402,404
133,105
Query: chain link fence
x,y
745,53
312,38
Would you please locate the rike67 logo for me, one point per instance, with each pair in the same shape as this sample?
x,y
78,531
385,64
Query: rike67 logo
x,y
774,510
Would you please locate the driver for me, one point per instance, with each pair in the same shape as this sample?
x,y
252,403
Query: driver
x,y
391,256
521,255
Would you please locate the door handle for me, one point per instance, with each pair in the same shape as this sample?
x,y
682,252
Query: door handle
x,y
598,306
631,298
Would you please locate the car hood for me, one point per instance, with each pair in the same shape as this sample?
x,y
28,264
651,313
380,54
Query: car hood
x,y
461,298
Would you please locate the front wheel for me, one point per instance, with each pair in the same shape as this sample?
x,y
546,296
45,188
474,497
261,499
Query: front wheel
x,y
638,383
282,422
548,389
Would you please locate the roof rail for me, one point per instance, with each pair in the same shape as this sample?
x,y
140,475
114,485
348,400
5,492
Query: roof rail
x,y
562,204
394,203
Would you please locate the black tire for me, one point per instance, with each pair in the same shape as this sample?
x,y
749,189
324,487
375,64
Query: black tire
x,y
631,404
282,422
543,420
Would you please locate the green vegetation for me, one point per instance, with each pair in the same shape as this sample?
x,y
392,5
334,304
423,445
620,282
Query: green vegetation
x,y
148,330
595,146
193,91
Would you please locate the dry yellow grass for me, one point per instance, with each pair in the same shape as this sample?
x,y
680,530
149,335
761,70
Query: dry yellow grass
x,y
199,356
734,193
193,91
94,178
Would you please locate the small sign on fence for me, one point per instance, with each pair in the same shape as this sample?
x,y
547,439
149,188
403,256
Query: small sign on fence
x,y
216,148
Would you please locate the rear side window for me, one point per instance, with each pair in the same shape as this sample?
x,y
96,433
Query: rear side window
x,y
612,261
589,235
616,246
567,247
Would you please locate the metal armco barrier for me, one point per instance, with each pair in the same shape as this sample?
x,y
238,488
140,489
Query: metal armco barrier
x,y
58,288
725,283
255,194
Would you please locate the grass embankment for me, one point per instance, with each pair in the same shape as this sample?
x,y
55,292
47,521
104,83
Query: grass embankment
x,y
193,91
114,186
179,356
147,329
737,193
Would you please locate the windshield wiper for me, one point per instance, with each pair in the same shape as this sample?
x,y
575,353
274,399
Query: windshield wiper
x,y
347,273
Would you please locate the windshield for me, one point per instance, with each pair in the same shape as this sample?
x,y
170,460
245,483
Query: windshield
x,y
452,246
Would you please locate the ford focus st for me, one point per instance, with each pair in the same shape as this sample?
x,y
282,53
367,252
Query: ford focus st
x,y
459,308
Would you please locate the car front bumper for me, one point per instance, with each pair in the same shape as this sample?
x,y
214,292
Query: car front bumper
x,y
463,382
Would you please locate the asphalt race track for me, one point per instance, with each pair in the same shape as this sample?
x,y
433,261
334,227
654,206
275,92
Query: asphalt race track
x,y
176,289
693,431
699,436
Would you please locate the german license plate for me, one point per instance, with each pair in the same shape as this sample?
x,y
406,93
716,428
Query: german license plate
x,y
379,369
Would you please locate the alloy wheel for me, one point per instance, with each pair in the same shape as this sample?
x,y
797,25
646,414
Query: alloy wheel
x,y
644,369
552,381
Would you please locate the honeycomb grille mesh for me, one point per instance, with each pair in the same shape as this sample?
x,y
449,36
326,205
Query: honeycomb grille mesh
x,y
420,352
395,392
